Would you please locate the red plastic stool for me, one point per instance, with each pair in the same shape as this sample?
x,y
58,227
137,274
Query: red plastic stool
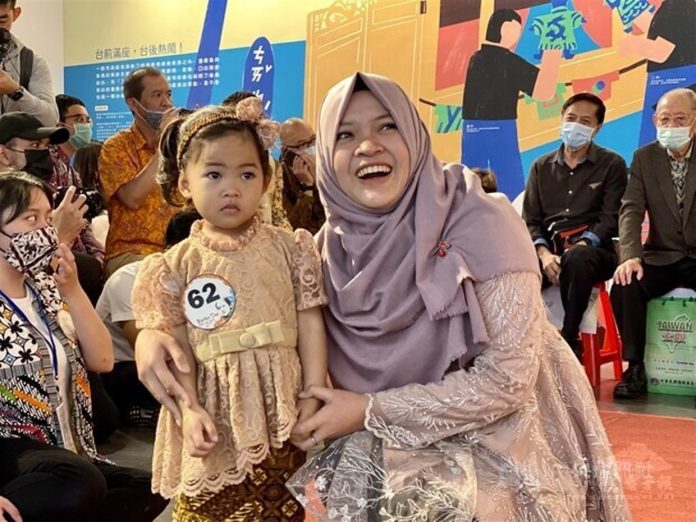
x,y
598,349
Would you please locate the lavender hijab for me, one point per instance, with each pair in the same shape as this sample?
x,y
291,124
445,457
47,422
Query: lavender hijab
x,y
399,313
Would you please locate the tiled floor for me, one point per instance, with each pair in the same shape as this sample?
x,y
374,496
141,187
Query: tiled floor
x,y
133,447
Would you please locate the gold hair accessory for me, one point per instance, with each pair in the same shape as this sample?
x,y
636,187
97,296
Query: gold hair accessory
x,y
249,109
197,126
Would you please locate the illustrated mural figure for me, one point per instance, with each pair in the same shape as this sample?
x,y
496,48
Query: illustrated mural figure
x,y
667,42
556,30
494,80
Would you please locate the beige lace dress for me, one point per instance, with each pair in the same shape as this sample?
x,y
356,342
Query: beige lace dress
x,y
516,437
248,372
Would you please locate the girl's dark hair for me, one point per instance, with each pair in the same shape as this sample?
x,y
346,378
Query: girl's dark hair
x,y
169,168
86,164
16,189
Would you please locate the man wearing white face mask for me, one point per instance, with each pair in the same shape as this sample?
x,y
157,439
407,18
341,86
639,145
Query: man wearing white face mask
x,y
663,183
571,206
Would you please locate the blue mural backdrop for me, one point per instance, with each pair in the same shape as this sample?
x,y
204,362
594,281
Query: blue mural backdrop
x,y
209,47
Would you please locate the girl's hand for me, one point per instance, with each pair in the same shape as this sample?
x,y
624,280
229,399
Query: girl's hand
x,y
8,508
306,408
343,413
65,272
200,435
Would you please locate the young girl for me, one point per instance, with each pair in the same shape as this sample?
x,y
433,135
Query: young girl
x,y
245,298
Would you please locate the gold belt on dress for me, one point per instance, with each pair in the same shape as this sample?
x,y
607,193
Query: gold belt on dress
x,y
232,341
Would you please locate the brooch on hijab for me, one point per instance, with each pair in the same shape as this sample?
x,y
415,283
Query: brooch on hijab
x,y
441,248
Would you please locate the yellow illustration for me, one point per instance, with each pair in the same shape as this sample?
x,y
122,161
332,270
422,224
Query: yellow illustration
x,y
397,39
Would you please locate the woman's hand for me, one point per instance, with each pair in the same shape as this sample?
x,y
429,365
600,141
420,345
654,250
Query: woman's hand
x,y
153,351
8,508
306,408
65,272
343,413
69,218
200,435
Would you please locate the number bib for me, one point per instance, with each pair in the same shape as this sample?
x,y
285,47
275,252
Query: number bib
x,y
209,302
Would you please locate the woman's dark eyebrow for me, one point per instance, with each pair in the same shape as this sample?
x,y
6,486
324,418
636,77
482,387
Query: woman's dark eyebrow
x,y
380,117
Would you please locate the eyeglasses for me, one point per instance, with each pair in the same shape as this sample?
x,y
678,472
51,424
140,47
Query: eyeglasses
x,y
301,147
79,118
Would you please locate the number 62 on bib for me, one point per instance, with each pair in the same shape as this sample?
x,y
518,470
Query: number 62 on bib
x,y
209,302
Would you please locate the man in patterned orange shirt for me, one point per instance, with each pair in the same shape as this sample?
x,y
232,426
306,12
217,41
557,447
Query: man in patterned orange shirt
x,y
138,215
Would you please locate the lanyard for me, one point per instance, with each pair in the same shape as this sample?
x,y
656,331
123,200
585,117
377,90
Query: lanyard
x,y
42,312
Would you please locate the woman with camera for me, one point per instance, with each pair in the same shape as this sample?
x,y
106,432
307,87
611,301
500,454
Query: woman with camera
x,y
50,467
27,145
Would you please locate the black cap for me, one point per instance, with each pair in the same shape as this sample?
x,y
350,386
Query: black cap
x,y
26,126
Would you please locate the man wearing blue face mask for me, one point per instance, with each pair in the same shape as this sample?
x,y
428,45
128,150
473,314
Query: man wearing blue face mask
x,y
663,183
571,206
73,115
138,215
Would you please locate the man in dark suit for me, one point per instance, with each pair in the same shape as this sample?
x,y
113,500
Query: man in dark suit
x,y
663,183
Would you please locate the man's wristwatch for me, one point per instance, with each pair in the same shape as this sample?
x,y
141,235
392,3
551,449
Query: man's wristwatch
x,y
17,95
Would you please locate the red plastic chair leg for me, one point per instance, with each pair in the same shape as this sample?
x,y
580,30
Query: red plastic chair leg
x,y
595,355
590,357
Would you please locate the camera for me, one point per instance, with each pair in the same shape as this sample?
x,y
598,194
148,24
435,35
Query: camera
x,y
94,201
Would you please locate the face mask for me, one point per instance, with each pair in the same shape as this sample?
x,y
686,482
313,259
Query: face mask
x,y
153,118
39,164
575,135
673,138
31,252
82,136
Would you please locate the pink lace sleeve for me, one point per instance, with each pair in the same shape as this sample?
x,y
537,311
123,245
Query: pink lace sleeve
x,y
307,277
156,296
501,381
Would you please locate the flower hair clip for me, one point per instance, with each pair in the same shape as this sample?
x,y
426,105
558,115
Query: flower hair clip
x,y
441,248
251,110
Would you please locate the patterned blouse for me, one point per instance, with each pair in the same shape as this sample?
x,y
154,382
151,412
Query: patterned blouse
x,y
29,396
